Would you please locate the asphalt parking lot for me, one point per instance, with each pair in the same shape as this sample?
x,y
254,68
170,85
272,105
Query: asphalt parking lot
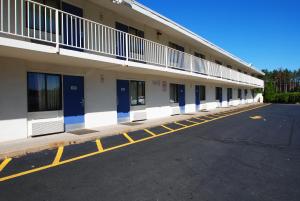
x,y
249,154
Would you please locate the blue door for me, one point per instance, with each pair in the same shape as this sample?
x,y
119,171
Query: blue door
x,y
197,97
123,104
181,94
72,27
219,95
229,92
73,102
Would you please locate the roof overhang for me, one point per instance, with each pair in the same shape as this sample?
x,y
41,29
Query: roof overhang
x,y
166,21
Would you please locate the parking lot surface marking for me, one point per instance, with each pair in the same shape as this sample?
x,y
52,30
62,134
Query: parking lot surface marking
x,y
128,138
150,132
99,145
4,163
257,117
59,153
166,127
180,124
57,161
192,121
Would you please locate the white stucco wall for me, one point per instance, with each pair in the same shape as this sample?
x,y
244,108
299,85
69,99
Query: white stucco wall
x,y
13,100
100,96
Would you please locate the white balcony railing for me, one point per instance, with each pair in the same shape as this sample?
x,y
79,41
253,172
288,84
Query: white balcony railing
x,y
40,23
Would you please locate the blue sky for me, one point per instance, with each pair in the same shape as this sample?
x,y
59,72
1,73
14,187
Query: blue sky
x,y
265,33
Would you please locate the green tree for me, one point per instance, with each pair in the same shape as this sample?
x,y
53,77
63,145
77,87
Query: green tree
x,y
269,92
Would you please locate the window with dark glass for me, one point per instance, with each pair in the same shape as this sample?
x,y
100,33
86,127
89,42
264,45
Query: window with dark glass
x,y
229,93
176,58
44,92
39,17
239,93
176,47
245,92
218,62
174,91
252,92
137,93
199,55
135,46
202,92
218,93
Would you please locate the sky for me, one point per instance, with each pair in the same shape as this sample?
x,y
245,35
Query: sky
x,y
265,33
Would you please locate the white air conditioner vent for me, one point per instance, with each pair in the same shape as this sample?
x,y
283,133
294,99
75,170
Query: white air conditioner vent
x,y
42,128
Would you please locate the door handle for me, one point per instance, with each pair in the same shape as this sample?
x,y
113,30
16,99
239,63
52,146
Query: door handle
x,y
82,102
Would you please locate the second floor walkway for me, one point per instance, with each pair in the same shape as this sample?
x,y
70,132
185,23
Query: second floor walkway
x,y
37,23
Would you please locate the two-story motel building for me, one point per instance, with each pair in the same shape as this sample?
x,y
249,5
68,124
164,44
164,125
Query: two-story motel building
x,y
70,64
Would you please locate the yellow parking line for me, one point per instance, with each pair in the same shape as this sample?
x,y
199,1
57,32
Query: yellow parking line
x,y
150,132
199,118
215,115
166,127
128,138
192,121
196,119
99,145
59,153
209,117
4,163
117,147
180,124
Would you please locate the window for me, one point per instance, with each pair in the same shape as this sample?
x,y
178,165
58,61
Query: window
x,y
246,92
174,90
202,56
252,92
176,47
218,93
137,93
229,93
41,18
202,93
136,45
239,93
44,92
176,58
218,62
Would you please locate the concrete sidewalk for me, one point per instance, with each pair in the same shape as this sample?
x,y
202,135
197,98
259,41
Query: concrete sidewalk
x,y
35,144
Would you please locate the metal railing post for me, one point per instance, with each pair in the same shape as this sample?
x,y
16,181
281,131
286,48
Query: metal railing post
x,y
57,31
127,47
166,56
